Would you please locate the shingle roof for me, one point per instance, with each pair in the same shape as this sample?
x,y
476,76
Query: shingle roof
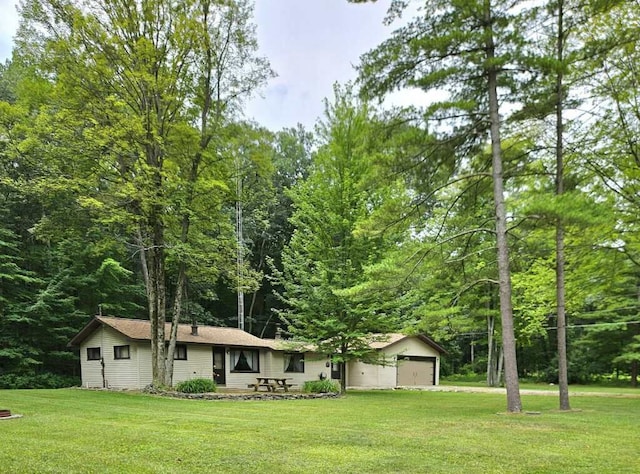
x,y
388,339
140,329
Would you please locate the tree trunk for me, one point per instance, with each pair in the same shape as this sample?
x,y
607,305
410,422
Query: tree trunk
x,y
240,245
343,370
156,260
514,404
254,296
491,381
175,321
157,314
498,377
563,377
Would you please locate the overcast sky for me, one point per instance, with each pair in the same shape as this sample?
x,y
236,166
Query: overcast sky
x,y
310,43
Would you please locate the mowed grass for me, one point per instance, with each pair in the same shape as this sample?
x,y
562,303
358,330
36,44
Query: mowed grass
x,y
82,431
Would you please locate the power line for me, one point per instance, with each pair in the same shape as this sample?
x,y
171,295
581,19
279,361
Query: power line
x,y
570,326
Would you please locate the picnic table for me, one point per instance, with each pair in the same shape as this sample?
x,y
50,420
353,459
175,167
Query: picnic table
x,y
271,384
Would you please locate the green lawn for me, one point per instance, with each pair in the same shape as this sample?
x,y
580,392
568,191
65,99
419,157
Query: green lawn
x,y
83,431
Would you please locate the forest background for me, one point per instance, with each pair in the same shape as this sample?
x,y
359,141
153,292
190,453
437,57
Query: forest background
x,y
131,185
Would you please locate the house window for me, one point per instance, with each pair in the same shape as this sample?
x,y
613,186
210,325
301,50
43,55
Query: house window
x,y
121,352
93,353
181,352
245,360
293,362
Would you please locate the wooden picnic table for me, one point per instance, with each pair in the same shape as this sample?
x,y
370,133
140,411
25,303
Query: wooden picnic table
x,y
272,383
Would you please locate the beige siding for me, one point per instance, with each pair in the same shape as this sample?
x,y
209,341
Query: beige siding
x,y
314,365
145,373
272,365
135,372
243,379
118,373
364,375
412,346
91,370
199,364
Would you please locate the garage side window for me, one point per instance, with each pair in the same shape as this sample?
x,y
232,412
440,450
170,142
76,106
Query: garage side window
x,y
121,352
93,353
293,362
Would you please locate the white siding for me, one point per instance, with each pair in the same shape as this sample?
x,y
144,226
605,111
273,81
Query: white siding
x,y
118,373
199,364
314,365
135,372
364,375
145,373
91,370
243,379
412,346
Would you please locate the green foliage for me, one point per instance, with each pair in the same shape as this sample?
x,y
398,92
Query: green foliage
x,y
199,385
37,381
324,262
379,431
321,386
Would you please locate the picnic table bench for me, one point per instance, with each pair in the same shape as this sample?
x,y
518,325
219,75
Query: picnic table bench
x,y
271,384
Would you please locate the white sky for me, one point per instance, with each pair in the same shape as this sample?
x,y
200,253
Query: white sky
x,y
310,43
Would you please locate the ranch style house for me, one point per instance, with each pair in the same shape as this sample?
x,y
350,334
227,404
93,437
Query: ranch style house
x,y
116,353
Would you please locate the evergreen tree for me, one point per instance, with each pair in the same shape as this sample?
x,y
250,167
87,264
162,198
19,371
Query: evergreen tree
x,y
327,255
465,48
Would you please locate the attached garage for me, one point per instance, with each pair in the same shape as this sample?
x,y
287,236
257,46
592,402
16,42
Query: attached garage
x,y
416,371
413,361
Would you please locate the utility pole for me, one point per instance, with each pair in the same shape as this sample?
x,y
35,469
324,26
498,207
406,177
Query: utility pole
x,y
240,244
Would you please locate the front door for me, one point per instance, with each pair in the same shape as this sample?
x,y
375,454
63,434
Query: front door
x,y
336,370
219,366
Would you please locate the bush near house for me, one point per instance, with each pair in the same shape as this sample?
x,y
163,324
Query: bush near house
x,y
320,386
197,386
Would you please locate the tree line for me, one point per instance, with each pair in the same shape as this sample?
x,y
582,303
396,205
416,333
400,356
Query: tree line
x,y
501,218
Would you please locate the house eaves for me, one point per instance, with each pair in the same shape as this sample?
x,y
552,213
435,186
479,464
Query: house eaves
x,y
140,330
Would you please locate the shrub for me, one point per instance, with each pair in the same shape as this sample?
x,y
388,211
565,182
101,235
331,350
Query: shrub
x,y
196,386
38,381
320,386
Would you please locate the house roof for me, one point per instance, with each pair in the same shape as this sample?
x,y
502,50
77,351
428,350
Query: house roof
x,y
289,345
140,329
385,340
